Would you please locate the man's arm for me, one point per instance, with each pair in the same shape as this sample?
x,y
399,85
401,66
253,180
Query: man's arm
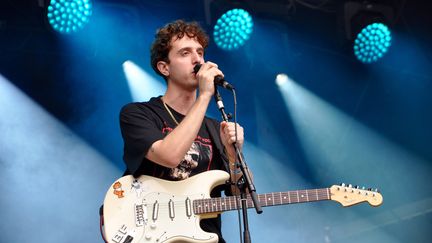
x,y
170,151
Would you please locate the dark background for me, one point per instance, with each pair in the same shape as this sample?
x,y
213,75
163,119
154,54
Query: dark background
x,y
343,121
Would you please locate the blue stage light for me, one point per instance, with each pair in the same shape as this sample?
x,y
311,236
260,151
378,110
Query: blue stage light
x,y
372,42
67,16
233,29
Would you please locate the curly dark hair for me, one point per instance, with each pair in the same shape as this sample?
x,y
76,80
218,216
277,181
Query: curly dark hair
x,y
162,43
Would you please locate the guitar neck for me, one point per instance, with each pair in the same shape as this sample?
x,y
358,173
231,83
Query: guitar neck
x,y
221,204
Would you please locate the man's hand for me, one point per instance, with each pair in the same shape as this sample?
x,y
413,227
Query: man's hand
x,y
206,76
227,134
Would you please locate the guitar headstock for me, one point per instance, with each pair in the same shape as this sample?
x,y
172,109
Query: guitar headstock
x,y
349,195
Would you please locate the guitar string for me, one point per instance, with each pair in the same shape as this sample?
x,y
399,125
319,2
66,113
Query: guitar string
x,y
275,198
216,208
322,195
232,204
274,195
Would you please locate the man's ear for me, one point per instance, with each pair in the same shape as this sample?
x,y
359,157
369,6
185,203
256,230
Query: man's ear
x,y
163,68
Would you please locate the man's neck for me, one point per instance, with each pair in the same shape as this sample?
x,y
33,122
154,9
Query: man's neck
x,y
180,100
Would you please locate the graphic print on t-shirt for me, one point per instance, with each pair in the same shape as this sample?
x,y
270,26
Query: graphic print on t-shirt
x,y
200,153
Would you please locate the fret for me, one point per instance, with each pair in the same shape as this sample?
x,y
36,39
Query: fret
x,y
307,196
221,204
215,204
285,198
201,205
271,199
294,197
227,205
249,202
207,205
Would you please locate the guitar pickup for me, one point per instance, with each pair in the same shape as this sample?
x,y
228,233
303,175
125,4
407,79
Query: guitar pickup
x,y
171,209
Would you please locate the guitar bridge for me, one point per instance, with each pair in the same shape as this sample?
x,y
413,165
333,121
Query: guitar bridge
x,y
140,215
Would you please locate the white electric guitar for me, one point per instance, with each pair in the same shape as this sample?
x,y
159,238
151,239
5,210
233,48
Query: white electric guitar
x,y
148,209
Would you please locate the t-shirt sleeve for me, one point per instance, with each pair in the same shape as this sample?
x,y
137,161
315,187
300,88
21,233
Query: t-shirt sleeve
x,y
140,128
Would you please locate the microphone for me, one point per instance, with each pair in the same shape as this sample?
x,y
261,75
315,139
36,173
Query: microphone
x,y
218,80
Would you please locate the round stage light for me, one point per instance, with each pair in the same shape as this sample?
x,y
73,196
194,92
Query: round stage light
x,y
233,29
67,16
372,43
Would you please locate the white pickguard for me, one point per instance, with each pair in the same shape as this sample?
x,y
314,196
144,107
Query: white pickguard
x,y
127,203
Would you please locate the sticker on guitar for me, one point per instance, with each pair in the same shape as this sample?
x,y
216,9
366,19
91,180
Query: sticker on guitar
x,y
118,191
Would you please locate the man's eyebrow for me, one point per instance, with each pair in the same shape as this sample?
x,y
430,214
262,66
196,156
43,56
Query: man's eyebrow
x,y
189,49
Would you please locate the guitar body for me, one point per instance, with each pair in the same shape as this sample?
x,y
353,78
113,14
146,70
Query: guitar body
x,y
148,209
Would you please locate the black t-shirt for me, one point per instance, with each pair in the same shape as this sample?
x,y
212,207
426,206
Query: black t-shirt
x,y
143,123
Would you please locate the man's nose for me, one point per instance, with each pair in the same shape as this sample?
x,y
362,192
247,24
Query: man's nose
x,y
196,58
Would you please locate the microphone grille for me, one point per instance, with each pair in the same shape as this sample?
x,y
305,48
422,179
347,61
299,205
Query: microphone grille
x,y
197,68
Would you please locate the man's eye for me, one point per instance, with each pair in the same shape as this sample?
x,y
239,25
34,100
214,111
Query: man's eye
x,y
185,53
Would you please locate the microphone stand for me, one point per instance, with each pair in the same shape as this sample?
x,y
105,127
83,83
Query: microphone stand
x,y
245,182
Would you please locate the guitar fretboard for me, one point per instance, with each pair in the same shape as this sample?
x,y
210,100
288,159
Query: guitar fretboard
x,y
211,205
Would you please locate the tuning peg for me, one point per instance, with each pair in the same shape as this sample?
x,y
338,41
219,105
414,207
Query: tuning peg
x,y
376,190
349,185
356,187
343,184
363,188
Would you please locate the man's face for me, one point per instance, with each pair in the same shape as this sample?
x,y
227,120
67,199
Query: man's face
x,y
185,53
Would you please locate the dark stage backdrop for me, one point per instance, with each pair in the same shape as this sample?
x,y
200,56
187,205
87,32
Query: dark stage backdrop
x,y
335,121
